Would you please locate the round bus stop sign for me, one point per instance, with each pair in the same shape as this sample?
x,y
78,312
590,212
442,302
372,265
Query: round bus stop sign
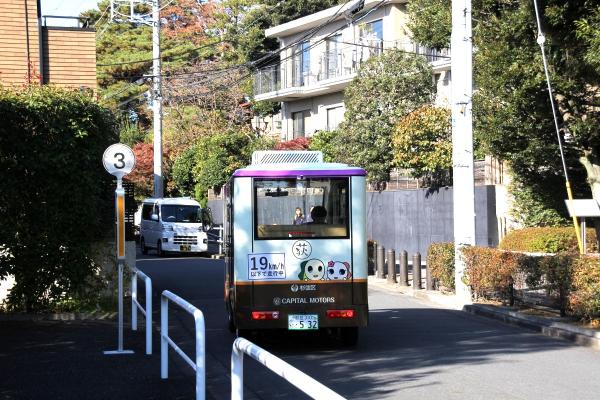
x,y
118,160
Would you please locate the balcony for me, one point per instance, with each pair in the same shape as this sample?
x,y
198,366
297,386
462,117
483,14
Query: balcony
x,y
330,71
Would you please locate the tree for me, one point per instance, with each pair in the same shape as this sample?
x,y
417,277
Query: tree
x,y
386,89
512,114
56,198
326,142
423,142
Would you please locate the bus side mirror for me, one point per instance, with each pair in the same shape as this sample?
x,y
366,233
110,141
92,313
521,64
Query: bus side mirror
x,y
206,218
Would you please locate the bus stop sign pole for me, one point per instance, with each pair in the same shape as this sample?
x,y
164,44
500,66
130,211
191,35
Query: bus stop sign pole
x,y
119,160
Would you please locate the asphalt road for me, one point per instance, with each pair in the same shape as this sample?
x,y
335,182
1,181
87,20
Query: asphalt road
x,y
410,350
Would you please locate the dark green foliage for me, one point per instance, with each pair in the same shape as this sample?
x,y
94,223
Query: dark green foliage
x,y
326,142
512,112
56,198
440,263
386,89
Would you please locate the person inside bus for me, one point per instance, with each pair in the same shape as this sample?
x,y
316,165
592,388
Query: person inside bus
x,y
299,217
318,215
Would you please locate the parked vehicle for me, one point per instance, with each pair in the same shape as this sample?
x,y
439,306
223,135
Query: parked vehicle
x,y
297,276
174,225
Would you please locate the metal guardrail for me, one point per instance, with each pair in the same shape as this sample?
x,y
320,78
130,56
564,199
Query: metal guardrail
x,y
200,364
305,383
135,305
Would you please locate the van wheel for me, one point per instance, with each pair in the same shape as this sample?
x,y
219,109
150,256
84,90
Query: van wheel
x,y
159,250
349,336
143,246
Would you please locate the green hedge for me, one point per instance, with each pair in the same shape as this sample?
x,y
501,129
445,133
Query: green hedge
x,y
440,263
56,198
547,240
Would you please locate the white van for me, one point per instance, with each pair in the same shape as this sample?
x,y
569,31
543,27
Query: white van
x,y
176,224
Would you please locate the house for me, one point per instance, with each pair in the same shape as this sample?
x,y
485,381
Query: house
x,y
32,50
310,76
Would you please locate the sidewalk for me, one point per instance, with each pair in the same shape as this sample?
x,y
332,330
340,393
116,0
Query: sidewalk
x,y
547,325
53,359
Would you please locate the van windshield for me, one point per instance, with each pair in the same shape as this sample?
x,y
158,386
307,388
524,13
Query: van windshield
x,y
177,213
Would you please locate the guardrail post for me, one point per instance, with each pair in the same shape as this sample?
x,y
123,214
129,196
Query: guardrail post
x,y
380,261
416,269
148,283
237,374
164,333
133,300
403,280
391,262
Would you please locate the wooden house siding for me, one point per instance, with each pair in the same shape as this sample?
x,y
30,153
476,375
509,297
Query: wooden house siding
x,y
69,54
19,42
70,57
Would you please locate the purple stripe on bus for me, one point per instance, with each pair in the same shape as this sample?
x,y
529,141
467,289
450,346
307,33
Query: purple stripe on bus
x,y
295,173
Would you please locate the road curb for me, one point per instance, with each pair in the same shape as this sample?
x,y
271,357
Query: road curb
x,y
546,326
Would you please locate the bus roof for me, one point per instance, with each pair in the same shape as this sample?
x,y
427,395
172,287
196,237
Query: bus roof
x,y
299,169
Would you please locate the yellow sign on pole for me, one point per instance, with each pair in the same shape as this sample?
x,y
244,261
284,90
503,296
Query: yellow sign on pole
x,y
120,206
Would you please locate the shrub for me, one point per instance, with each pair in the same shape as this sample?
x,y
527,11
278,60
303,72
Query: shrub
x,y
546,240
56,198
584,298
440,263
490,271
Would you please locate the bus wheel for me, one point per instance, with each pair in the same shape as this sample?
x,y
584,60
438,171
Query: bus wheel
x,y
349,336
159,250
143,246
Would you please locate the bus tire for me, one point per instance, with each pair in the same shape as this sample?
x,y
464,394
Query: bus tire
x,y
349,336
143,246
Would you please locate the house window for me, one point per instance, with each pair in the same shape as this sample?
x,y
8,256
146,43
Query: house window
x,y
371,39
301,64
335,115
299,119
333,57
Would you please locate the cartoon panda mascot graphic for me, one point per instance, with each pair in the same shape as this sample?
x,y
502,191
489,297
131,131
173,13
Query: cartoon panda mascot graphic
x,y
338,270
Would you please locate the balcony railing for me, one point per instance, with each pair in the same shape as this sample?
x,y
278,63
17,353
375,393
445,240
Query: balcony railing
x,y
344,62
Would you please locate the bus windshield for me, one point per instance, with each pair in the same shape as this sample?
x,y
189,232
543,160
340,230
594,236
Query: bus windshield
x,y
295,207
179,213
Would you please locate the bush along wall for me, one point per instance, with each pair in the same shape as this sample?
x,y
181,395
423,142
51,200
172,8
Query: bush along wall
x,y
547,240
570,279
440,263
56,198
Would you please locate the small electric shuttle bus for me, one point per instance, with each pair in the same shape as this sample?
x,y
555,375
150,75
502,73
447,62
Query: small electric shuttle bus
x,y
175,224
295,245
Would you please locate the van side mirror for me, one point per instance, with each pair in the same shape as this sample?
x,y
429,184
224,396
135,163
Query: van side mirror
x,y
206,218
154,217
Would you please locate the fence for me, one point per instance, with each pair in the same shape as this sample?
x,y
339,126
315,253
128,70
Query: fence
x,y
199,366
305,383
135,305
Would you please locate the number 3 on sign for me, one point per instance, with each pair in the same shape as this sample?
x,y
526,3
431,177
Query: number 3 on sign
x,y
118,160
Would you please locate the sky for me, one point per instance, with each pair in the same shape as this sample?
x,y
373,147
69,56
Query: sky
x,y
68,8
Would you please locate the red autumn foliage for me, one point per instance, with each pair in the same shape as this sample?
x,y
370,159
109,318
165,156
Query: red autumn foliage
x,y
300,143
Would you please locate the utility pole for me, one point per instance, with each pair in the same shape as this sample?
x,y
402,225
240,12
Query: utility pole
x,y
157,99
116,15
462,140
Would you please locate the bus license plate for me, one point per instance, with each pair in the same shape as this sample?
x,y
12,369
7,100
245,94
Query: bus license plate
x,y
185,247
301,322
